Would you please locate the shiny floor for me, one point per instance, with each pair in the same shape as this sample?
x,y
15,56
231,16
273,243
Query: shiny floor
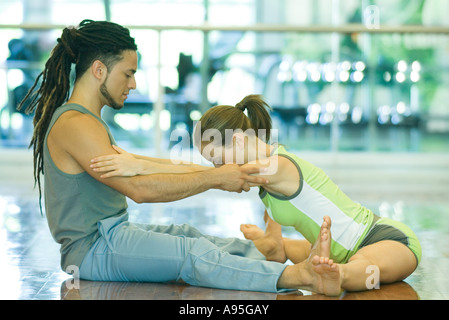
x,y
29,258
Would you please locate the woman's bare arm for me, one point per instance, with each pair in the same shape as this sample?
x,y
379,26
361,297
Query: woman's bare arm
x,y
282,174
124,164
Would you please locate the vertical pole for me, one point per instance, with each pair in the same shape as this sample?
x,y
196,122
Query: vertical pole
x,y
205,65
368,85
107,10
159,104
335,59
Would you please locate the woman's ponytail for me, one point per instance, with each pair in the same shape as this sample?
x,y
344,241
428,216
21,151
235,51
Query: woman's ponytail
x,y
257,110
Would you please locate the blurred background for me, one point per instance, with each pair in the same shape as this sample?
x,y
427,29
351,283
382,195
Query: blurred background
x,y
360,88
353,75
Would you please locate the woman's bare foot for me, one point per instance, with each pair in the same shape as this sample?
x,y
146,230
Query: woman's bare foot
x,y
268,242
322,247
329,274
319,273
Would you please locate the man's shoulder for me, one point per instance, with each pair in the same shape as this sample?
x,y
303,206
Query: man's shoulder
x,y
75,120
73,126
74,116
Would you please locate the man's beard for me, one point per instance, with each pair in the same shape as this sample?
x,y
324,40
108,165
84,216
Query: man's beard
x,y
109,100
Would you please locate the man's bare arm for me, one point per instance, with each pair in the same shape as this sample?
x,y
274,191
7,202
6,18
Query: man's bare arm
x,y
85,139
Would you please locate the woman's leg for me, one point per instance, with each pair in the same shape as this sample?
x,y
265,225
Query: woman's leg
x,y
392,260
276,248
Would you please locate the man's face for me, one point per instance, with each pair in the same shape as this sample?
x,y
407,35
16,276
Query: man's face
x,y
120,80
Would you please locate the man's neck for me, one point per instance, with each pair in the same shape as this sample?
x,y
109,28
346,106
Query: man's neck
x,y
86,99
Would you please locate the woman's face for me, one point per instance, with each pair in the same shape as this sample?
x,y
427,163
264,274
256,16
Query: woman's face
x,y
240,151
221,154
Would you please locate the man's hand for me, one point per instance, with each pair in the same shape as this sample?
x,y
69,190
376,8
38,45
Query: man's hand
x,y
234,178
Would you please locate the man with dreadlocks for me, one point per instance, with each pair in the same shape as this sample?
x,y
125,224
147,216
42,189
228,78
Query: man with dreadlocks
x,y
88,215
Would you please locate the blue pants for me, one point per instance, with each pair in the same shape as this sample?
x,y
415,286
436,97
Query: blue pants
x,y
150,253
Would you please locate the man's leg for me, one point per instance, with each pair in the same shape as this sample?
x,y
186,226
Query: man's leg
x,y
234,246
126,252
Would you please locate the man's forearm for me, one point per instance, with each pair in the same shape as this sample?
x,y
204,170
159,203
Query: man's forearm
x,y
173,187
170,187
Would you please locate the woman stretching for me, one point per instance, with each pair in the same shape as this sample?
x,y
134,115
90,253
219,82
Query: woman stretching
x,y
297,195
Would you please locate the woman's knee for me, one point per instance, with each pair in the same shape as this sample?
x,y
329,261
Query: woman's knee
x,y
394,260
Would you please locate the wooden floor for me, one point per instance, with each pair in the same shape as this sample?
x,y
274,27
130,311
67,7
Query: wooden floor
x,y
29,258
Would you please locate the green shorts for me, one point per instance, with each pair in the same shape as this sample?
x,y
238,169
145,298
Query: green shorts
x,y
388,229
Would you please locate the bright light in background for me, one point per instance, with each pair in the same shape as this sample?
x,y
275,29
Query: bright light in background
x,y
77,10
15,78
402,66
4,119
157,12
415,76
195,115
16,121
300,71
344,76
330,107
314,71
11,13
345,65
4,92
401,108
357,76
146,122
357,115
416,66
359,66
400,77
165,120
231,86
128,121
344,107
326,118
313,111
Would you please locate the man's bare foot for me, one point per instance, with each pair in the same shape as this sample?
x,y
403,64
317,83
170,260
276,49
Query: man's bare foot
x,y
268,242
329,274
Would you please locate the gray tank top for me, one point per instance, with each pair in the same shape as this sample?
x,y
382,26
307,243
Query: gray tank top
x,y
75,203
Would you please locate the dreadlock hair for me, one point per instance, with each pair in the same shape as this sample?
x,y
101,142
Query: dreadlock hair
x,y
90,41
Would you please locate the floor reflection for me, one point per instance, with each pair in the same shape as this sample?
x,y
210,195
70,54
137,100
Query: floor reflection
x,y
89,290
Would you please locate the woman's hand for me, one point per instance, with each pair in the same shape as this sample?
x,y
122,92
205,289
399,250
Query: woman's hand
x,y
235,178
122,164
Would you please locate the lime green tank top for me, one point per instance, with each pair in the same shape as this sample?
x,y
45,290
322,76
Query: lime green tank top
x,y
317,197
75,203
